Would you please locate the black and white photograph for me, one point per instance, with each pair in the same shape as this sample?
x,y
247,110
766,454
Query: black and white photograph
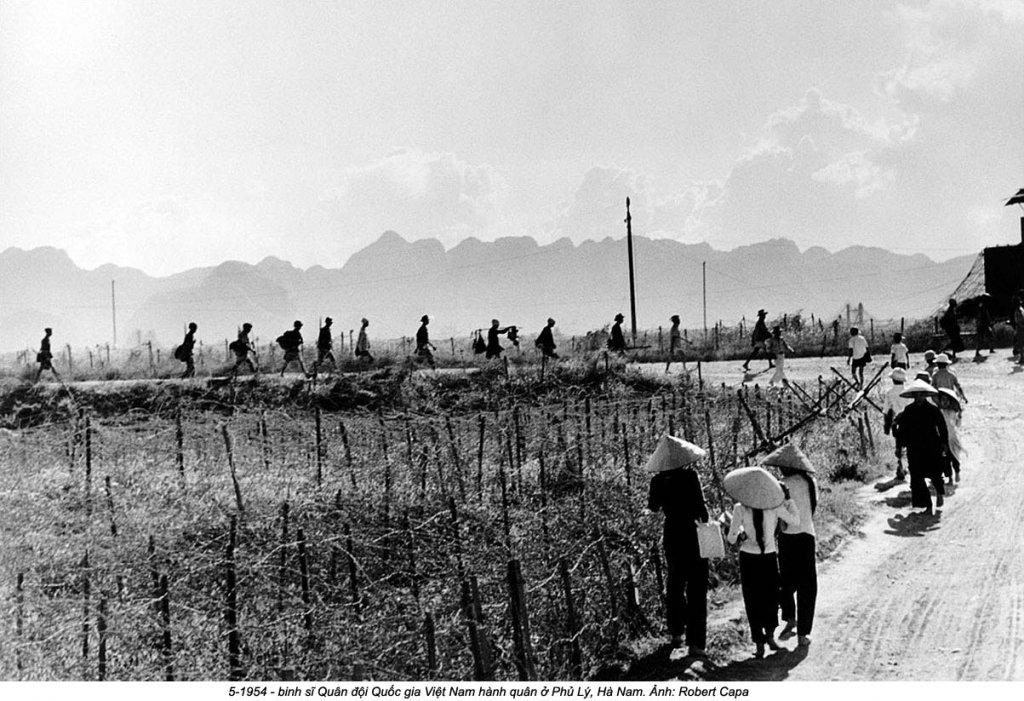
x,y
483,348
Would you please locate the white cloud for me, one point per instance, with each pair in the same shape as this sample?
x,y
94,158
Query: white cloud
x,y
420,195
948,43
856,169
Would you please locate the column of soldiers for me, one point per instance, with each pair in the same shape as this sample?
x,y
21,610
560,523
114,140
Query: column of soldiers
x,y
291,342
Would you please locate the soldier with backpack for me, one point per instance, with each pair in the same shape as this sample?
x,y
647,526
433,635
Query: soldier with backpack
x,y
184,352
546,341
291,342
242,347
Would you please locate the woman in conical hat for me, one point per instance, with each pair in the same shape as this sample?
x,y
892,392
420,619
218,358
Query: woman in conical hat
x,y
753,527
951,408
676,492
894,404
921,431
797,563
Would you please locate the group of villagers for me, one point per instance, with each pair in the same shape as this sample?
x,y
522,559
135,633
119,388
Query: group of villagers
x,y
924,417
772,522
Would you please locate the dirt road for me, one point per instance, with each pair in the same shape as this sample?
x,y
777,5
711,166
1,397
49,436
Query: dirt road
x,y
926,598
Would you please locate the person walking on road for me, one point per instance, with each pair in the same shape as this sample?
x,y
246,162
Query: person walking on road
x,y
242,347
185,352
894,405
291,342
921,430
494,348
45,356
754,530
617,342
777,347
1017,316
944,377
675,343
546,341
676,491
423,344
899,354
951,325
798,572
857,356
363,343
952,411
324,345
983,329
759,341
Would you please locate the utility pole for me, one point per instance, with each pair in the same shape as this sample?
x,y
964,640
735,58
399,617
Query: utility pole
x,y
704,292
113,312
632,288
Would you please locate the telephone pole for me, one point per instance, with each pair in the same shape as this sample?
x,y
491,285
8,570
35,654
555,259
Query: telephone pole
x,y
632,288
113,312
704,292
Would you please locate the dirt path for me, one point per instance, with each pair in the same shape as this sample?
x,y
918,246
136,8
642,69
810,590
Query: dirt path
x,y
919,598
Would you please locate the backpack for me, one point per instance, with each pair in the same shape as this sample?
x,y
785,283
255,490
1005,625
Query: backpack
x,y
282,341
179,353
479,346
236,346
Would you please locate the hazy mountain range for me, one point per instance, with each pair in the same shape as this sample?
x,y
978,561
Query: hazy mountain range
x,y
393,282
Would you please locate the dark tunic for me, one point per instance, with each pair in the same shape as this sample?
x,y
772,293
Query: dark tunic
x,y
546,341
951,326
984,321
921,430
292,341
422,339
679,496
617,342
760,333
494,348
324,340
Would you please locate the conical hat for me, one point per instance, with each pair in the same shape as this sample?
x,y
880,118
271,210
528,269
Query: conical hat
x,y
918,387
791,457
898,375
754,487
950,394
673,453
941,359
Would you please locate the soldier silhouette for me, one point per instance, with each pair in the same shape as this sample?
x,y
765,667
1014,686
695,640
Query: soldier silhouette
x,y
45,357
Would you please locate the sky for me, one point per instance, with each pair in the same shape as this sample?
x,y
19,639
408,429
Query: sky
x,y
172,134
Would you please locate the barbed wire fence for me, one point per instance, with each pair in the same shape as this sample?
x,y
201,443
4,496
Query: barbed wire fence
x,y
277,544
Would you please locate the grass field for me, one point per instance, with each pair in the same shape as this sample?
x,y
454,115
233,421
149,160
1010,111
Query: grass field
x,y
394,527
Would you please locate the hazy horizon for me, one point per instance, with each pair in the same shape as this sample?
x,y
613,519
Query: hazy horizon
x,y
175,135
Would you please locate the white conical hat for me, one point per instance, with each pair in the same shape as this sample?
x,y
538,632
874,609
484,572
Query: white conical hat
x,y
951,395
673,453
898,375
754,487
789,456
941,359
918,387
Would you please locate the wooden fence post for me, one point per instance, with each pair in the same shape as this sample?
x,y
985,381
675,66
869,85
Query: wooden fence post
x,y
571,622
520,623
235,671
